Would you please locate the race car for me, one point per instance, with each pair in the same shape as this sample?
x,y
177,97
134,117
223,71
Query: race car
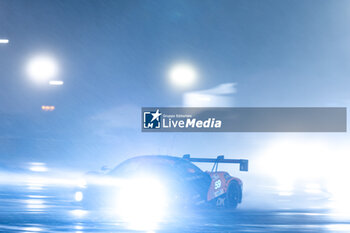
x,y
224,190
161,178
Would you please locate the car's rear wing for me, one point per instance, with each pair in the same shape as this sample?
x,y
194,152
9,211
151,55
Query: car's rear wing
x,y
243,163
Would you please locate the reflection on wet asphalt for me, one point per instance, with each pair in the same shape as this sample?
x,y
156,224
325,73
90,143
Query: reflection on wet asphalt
x,y
237,221
79,221
40,209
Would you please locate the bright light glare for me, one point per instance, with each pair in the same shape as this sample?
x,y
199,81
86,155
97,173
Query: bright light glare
x,y
79,213
33,229
316,167
183,75
42,68
78,196
141,203
4,41
282,158
38,167
81,183
35,204
56,83
219,96
78,227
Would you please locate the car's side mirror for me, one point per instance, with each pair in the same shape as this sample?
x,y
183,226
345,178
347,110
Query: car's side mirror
x,y
243,165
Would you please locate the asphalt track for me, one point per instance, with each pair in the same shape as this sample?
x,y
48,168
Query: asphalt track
x,y
39,205
30,213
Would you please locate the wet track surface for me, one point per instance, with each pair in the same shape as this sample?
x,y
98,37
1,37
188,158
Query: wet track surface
x,y
60,218
222,221
39,208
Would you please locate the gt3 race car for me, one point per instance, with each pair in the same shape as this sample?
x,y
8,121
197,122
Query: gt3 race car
x,y
160,178
224,190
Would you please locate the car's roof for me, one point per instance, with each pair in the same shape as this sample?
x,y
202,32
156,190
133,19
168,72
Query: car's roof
x,y
154,161
157,157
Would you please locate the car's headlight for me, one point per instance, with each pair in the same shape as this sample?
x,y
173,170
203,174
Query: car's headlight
x,y
142,202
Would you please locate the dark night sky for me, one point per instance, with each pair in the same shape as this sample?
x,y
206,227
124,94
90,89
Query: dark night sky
x,y
114,57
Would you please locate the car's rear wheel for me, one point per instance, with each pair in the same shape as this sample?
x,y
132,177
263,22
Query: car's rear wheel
x,y
232,195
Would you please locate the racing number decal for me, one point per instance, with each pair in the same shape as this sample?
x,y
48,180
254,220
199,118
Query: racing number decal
x,y
217,184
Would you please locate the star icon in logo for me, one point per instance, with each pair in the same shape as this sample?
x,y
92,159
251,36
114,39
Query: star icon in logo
x,y
156,115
